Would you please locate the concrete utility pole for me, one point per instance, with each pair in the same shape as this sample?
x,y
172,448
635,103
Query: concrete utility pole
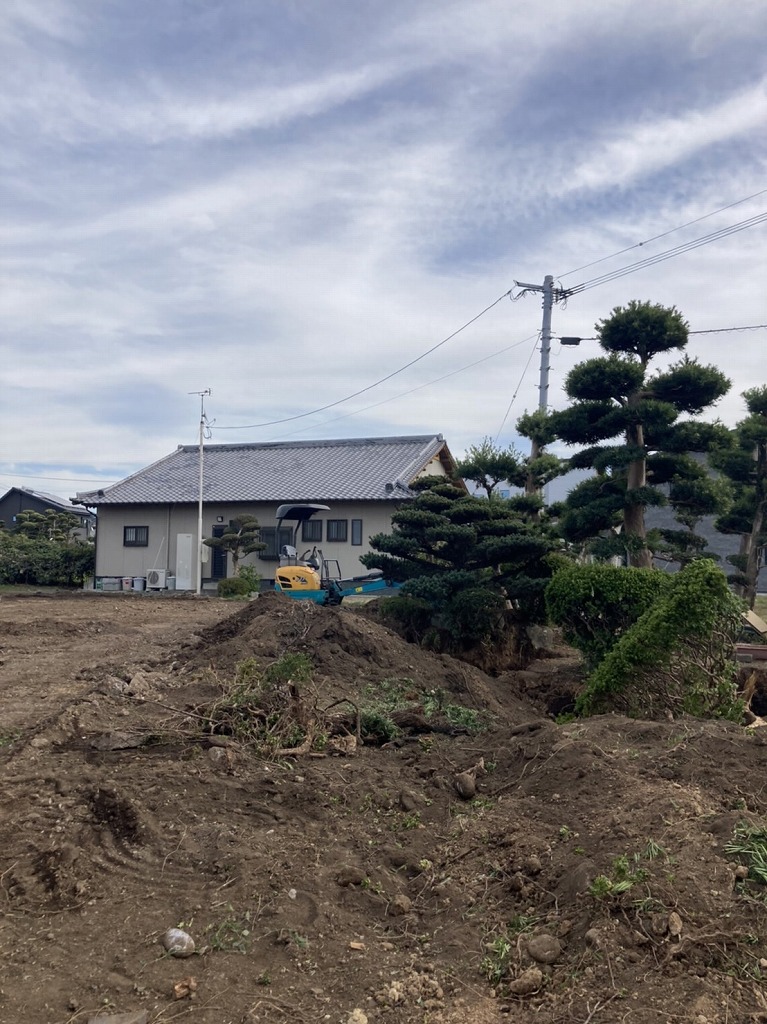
x,y
550,295
198,574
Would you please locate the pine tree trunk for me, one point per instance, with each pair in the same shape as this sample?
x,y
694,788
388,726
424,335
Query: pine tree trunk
x,y
633,515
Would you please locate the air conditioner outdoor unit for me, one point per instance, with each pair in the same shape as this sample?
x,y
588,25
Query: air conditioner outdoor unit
x,y
155,579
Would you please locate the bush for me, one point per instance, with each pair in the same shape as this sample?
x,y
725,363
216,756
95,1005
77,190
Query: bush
x,y
678,658
410,615
597,604
44,563
233,586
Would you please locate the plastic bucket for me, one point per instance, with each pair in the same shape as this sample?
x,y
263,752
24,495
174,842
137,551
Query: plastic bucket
x,y
139,582
127,583
111,584
170,583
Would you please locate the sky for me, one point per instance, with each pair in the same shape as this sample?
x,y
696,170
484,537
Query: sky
x,y
284,202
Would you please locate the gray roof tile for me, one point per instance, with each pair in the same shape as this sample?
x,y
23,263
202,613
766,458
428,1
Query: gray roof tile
x,y
359,469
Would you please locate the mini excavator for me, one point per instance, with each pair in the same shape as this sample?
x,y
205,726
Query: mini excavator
x,y
312,577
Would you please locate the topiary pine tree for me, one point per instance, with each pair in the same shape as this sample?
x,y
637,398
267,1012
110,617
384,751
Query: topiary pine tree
x,y
629,422
478,564
487,466
241,537
744,464
55,525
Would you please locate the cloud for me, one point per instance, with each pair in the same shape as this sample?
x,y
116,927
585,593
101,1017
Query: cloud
x,y
285,202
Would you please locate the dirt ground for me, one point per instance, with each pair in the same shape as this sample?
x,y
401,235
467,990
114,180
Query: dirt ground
x,y
586,879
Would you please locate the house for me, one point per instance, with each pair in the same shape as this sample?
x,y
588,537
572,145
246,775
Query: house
x,y
149,521
24,499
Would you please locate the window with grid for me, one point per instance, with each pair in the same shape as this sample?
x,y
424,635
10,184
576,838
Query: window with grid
x,y
356,531
274,540
337,530
311,531
135,536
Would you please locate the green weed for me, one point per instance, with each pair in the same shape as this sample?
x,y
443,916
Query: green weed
x,y
231,935
749,844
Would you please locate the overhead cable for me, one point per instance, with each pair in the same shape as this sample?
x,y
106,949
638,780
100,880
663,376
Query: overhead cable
x,y
663,234
419,387
650,261
375,384
519,385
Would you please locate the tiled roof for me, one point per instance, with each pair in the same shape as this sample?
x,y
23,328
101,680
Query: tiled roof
x,y
360,469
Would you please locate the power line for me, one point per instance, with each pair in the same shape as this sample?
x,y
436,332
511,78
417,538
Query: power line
x,y
650,261
66,479
663,234
428,383
362,391
726,330
511,400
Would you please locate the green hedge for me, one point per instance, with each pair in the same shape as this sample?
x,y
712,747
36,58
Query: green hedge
x,y
596,604
44,563
678,658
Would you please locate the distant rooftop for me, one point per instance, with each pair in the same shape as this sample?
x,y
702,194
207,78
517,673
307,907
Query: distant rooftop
x,y
49,499
353,469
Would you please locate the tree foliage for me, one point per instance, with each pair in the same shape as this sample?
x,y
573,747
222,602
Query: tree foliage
x,y
477,565
597,604
487,466
53,524
628,421
679,656
240,538
744,463
42,562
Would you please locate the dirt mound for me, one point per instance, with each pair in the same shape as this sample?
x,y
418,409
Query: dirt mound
x,y
604,870
349,652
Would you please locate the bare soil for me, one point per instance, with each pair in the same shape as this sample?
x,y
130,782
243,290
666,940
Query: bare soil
x,y
586,880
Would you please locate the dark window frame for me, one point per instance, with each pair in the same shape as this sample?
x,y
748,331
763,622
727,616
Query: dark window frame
x,y
340,527
357,533
274,541
139,538
311,531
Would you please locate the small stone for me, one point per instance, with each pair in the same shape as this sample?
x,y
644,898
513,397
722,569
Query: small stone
x,y
408,800
545,949
593,937
178,943
218,755
532,865
674,925
38,742
741,872
465,785
659,924
400,905
357,1016
349,874
527,983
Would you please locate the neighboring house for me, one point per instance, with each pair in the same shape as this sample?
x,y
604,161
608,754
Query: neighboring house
x,y
24,499
149,520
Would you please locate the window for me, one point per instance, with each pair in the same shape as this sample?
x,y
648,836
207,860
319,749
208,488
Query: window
x,y
135,536
337,530
311,531
356,531
269,536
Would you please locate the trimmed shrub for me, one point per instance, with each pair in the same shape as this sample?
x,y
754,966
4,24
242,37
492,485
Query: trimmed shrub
x,y
44,563
233,586
678,658
597,604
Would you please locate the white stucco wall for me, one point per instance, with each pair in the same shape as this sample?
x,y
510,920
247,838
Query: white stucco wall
x,y
166,522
